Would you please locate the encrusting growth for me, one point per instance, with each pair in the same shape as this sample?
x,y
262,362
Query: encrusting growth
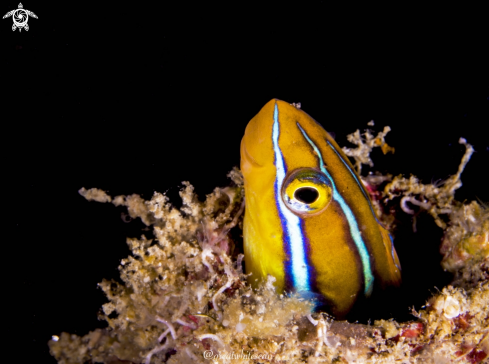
x,y
183,297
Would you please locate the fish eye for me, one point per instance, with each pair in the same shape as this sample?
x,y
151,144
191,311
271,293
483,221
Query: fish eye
x,y
306,194
306,191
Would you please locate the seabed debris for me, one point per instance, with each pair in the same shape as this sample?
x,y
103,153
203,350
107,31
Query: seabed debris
x,y
183,297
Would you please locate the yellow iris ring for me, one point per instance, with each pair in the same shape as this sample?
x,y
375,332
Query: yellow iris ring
x,y
311,179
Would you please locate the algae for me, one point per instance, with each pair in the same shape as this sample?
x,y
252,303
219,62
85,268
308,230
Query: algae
x,y
184,297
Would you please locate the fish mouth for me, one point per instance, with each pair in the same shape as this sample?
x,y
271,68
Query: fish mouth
x,y
248,155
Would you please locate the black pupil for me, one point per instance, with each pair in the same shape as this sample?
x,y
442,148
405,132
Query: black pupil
x,y
306,195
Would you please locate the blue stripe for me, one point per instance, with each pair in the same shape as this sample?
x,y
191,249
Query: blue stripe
x,y
293,235
352,222
393,251
368,200
355,177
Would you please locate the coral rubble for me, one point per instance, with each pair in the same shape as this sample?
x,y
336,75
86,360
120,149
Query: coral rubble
x,y
184,297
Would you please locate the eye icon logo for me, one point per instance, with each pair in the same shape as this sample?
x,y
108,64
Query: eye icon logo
x,y
20,17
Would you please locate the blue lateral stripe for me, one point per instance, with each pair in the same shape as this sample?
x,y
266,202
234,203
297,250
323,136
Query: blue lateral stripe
x,y
352,222
392,252
368,200
355,177
293,236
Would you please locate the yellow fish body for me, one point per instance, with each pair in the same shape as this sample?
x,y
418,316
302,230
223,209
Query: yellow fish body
x,y
309,221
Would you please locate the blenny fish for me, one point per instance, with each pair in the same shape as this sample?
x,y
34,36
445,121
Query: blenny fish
x,y
309,221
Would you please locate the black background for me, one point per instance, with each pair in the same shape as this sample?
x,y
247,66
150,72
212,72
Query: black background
x,y
135,98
